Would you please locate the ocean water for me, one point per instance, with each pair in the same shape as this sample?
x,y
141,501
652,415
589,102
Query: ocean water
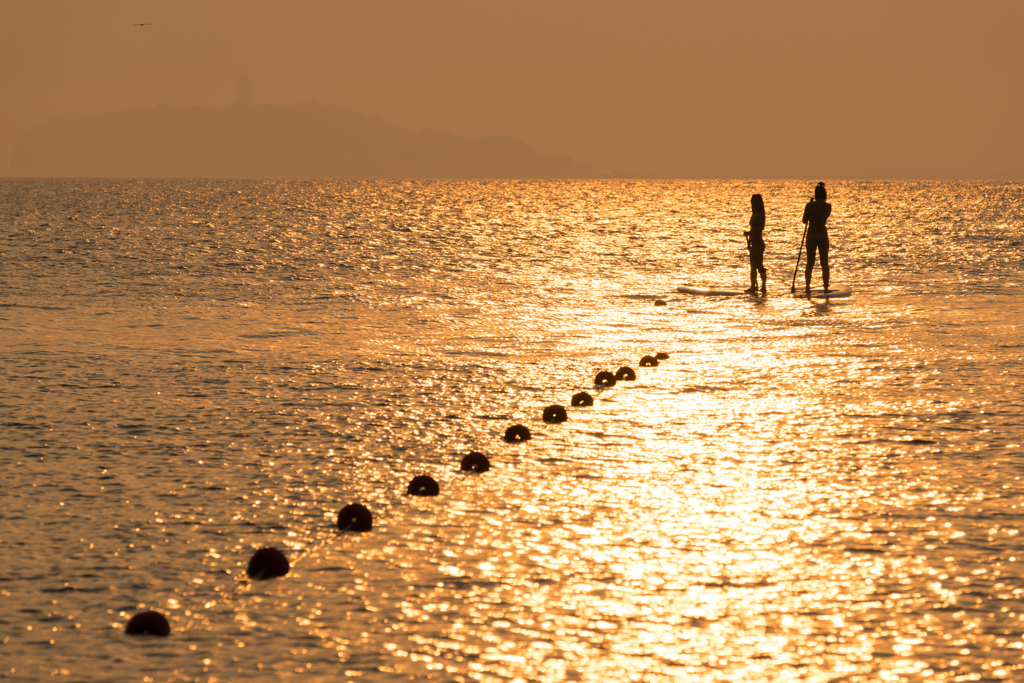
x,y
192,370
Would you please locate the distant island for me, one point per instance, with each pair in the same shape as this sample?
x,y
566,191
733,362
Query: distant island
x,y
269,141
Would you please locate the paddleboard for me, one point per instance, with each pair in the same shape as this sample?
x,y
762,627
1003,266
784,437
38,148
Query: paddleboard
x,y
686,289
834,292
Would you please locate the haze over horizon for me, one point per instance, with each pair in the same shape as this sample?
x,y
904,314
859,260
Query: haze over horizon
x,y
739,89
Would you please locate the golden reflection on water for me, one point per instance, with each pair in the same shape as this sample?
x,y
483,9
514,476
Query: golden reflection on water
x,y
802,492
706,536
627,551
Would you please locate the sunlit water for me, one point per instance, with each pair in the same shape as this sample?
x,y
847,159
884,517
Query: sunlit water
x,y
805,492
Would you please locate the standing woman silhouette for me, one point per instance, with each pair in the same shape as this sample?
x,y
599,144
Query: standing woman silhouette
x,y
816,213
755,244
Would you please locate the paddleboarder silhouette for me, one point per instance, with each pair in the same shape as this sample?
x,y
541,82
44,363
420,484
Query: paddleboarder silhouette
x,y
755,244
816,214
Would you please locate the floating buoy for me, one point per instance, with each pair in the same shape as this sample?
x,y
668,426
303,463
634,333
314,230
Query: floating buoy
x,y
423,486
604,379
660,302
582,399
267,563
517,433
555,414
355,517
648,362
476,462
625,374
148,624
661,355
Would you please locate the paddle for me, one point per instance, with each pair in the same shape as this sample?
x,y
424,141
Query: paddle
x,y
792,289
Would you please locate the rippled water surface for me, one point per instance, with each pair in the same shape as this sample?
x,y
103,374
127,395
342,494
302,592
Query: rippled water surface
x,y
807,492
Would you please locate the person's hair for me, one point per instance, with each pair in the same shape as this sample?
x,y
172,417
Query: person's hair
x,y
756,203
820,193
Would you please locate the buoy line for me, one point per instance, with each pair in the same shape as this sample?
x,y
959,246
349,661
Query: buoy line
x,y
269,563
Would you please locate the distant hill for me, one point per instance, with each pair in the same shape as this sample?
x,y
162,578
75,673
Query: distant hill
x,y
267,141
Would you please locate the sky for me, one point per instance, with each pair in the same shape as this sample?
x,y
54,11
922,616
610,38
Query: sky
x,y
816,89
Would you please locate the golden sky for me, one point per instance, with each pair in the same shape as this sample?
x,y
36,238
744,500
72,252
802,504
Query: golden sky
x,y
715,89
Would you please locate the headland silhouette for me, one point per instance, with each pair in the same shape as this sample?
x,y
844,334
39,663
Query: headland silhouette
x,y
269,141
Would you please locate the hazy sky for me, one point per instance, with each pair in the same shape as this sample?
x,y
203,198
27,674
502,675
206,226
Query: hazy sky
x,y
717,89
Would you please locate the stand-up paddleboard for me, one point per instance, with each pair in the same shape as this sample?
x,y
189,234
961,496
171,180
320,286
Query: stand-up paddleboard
x,y
834,292
705,291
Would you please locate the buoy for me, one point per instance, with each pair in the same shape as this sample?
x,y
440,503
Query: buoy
x,y
660,302
555,414
267,563
148,624
423,486
648,362
517,433
582,399
355,517
475,462
661,355
604,379
625,374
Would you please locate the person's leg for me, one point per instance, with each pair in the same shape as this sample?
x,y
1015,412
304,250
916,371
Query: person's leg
x,y
757,266
811,248
823,251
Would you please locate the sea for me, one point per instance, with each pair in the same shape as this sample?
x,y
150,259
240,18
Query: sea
x,y
191,370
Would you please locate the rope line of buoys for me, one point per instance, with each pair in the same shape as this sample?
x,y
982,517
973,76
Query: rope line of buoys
x,y
625,374
355,517
555,414
148,624
582,399
475,462
423,485
517,434
269,563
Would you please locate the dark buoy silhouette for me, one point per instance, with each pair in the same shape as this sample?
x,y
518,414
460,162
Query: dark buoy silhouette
x,y
475,462
555,414
648,362
661,355
423,486
582,399
355,517
517,433
148,624
625,374
660,302
267,563
604,379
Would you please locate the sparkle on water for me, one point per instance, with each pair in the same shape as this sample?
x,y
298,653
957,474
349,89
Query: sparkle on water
x,y
808,492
